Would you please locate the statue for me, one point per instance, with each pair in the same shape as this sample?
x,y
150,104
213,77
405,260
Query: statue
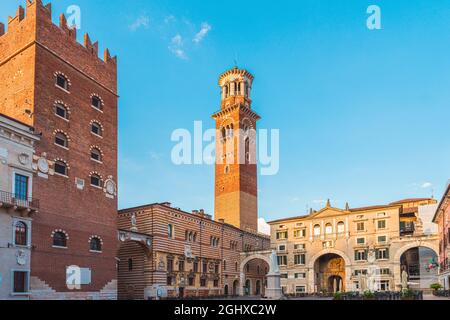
x,y
133,222
404,280
274,268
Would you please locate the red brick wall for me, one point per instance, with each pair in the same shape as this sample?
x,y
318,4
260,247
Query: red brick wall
x,y
81,213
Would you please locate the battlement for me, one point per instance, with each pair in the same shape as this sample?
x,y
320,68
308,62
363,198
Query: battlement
x,y
36,11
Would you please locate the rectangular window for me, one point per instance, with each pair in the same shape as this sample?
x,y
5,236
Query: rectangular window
x,y
300,275
300,233
169,281
384,285
216,283
299,259
281,235
181,265
385,271
282,248
205,268
21,187
300,246
360,272
284,276
360,226
361,241
360,255
383,254
382,239
195,267
169,265
282,260
300,289
191,281
381,224
202,282
20,282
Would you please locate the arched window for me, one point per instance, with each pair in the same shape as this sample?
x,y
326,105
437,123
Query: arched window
x,y
227,91
317,230
96,128
170,231
96,180
96,154
247,151
238,88
340,227
61,140
328,228
61,168
96,102
62,82
61,111
20,237
60,239
96,244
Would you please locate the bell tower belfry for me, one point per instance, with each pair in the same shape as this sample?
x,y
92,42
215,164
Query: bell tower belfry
x,y
236,189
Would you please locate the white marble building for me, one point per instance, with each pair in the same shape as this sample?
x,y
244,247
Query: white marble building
x,y
16,207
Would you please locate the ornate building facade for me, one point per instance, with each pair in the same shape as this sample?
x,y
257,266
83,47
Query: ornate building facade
x,y
183,254
356,249
69,96
442,219
17,207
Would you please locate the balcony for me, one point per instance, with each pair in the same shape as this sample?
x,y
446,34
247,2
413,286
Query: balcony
x,y
11,200
407,229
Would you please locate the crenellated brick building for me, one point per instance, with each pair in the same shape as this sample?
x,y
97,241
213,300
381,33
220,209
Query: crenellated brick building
x,y
69,95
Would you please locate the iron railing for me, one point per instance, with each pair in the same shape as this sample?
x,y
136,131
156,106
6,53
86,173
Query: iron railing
x,y
15,200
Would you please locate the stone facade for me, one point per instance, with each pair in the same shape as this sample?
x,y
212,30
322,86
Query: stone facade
x,y
61,88
17,207
344,249
442,219
189,255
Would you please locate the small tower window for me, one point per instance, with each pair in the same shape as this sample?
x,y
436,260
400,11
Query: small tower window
x,y
247,151
61,140
96,244
61,168
96,103
61,111
96,129
96,155
62,82
60,240
96,180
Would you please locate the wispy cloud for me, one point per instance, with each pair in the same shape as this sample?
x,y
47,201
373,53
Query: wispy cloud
x,y
142,21
426,185
199,36
176,47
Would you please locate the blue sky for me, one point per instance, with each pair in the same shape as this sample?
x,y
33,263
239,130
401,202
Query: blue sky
x,y
363,115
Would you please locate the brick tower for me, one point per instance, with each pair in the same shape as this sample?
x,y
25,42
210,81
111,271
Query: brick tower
x,y
236,190
62,89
